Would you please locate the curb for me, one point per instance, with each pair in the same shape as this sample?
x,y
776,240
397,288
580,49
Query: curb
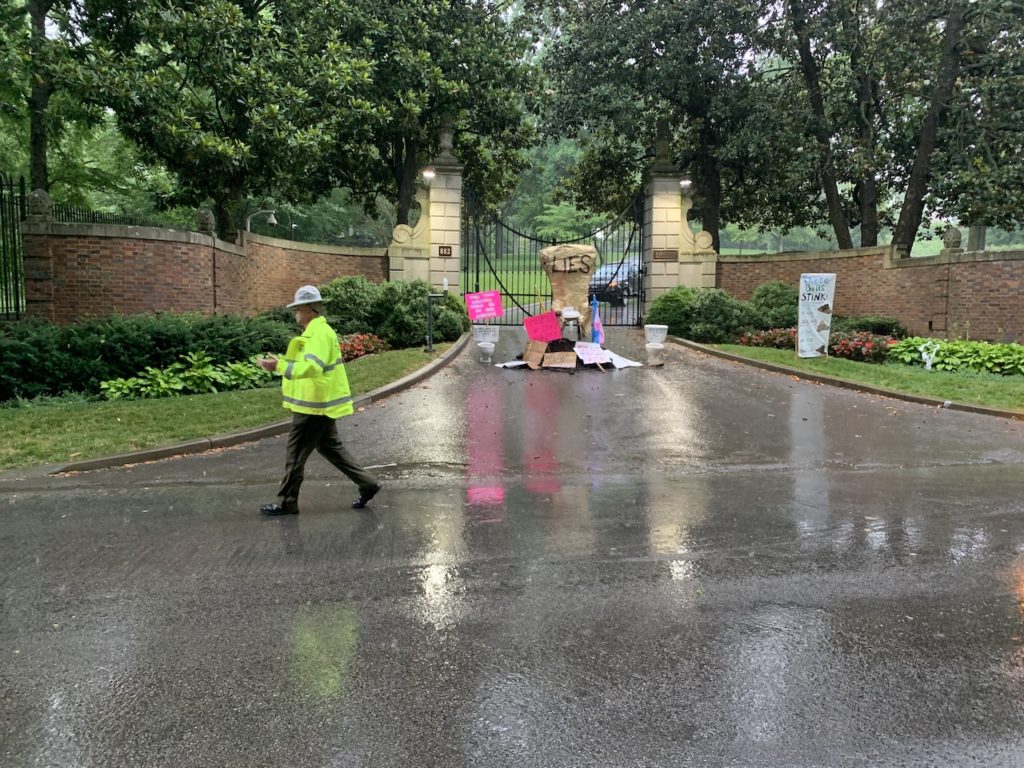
x,y
201,444
847,384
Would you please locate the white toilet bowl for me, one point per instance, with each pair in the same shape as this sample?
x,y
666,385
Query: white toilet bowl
x,y
486,350
655,353
655,334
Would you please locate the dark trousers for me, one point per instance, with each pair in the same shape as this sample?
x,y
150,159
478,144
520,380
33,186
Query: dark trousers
x,y
319,432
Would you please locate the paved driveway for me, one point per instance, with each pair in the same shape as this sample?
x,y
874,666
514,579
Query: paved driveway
x,y
698,565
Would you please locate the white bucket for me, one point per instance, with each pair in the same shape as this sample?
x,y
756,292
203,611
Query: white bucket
x,y
655,334
655,354
486,350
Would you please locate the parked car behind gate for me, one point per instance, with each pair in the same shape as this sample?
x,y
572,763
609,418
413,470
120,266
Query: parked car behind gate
x,y
615,282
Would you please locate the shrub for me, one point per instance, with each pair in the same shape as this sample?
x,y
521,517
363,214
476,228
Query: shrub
x,y
777,338
708,315
861,346
777,304
401,313
360,344
352,305
981,356
41,358
194,374
882,326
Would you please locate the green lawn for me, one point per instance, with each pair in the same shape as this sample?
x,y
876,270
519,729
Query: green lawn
x,y
1006,392
63,430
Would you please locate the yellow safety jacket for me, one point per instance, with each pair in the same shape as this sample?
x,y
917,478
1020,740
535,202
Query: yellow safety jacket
x,y
314,379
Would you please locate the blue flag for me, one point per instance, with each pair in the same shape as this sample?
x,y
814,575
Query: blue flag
x,y
597,332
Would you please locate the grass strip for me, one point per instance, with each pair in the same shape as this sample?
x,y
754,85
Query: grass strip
x,y
50,431
987,389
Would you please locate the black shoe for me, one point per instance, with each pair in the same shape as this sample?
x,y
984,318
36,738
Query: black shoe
x,y
275,509
364,496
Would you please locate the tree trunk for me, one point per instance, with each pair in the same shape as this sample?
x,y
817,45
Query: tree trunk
x,y
812,79
913,202
866,189
225,206
38,98
405,170
711,210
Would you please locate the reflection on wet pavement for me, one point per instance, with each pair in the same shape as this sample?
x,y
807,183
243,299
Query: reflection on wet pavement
x,y
699,565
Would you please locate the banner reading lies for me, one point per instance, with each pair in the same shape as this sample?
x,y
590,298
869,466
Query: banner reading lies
x,y
817,292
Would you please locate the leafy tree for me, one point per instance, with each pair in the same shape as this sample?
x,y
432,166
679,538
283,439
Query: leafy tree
x,y
916,119
617,69
37,38
798,113
236,96
462,61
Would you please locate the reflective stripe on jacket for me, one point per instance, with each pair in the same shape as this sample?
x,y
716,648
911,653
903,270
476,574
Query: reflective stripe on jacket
x,y
313,373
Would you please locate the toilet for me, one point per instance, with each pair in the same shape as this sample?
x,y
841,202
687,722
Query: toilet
x,y
654,336
485,336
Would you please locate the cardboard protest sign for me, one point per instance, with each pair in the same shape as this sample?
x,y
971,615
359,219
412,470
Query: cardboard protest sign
x,y
543,327
484,304
534,354
560,360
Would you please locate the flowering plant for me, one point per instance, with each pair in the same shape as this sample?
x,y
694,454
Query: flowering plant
x,y
863,346
779,338
360,344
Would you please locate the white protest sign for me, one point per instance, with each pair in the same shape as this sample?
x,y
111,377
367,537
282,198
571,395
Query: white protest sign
x,y
591,353
485,333
817,293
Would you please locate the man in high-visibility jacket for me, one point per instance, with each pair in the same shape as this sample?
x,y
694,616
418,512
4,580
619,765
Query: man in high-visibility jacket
x,y
315,389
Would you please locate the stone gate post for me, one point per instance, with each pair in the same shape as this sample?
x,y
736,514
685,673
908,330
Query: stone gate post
x,y
431,250
673,254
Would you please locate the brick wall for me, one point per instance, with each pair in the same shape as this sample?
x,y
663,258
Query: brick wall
x,y
74,271
980,294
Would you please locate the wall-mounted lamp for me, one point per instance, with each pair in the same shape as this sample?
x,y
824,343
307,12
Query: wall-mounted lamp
x,y
429,174
686,184
271,219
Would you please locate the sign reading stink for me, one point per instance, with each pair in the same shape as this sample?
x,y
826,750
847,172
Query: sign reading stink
x,y
817,293
482,305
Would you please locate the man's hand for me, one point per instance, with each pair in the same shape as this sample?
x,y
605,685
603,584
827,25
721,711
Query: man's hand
x,y
268,363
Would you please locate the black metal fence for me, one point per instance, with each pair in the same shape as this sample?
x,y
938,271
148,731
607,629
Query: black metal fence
x,y
73,215
497,257
12,270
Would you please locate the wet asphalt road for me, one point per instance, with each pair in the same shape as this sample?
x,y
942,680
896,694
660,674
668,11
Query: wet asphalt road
x,y
698,565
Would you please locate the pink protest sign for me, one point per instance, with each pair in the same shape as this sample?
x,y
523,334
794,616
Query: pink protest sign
x,y
543,327
483,305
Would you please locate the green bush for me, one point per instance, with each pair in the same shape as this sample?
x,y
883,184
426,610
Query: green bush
x,y
980,356
880,326
352,305
707,315
41,358
396,312
194,374
777,305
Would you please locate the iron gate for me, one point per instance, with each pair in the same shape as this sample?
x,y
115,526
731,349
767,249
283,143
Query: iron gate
x,y
12,275
496,256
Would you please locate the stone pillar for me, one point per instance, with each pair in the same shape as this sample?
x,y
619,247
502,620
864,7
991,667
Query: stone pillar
x,y
37,256
431,250
446,213
409,250
673,254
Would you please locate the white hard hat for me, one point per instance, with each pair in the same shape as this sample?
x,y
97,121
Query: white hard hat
x,y
307,294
